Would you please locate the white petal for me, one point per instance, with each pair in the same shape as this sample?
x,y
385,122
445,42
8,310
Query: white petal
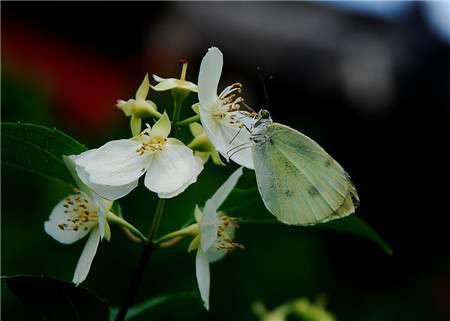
x,y
165,84
142,91
209,76
106,191
158,79
172,170
116,163
210,221
215,255
86,258
102,209
162,127
198,167
58,217
70,162
228,140
203,276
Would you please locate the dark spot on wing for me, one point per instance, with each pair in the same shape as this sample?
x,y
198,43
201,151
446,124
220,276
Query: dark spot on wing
x,y
288,193
312,190
328,163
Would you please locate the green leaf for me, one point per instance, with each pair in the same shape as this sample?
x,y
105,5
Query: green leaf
x,y
354,225
152,303
38,149
50,299
247,203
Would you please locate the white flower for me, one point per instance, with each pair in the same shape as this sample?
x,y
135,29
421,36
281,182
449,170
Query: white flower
x,y
114,169
202,146
77,216
139,108
215,237
219,114
173,83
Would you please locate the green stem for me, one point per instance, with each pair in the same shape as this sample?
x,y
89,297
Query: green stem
x,y
191,230
177,103
188,121
156,219
120,221
144,260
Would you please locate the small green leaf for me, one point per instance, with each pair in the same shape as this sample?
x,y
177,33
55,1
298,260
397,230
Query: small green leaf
x,y
151,304
38,149
50,299
247,203
354,225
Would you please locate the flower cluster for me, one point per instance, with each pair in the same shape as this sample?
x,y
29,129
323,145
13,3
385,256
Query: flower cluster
x,y
110,172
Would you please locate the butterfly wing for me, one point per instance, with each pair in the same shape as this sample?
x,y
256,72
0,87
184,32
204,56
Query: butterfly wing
x,y
300,183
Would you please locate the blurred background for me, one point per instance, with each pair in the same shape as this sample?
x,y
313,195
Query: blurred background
x,y
369,81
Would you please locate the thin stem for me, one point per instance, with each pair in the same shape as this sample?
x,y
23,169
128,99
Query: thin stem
x,y
121,221
138,275
188,121
191,230
156,219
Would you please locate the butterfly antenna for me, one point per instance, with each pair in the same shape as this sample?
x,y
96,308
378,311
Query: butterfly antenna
x,y
252,111
266,96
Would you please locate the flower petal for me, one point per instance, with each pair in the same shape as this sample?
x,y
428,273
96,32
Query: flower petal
x,y
209,76
136,125
197,214
210,221
102,209
86,258
116,163
126,106
196,129
196,108
162,127
203,276
70,162
214,253
228,140
188,86
58,217
108,192
143,89
198,167
165,84
172,170
158,79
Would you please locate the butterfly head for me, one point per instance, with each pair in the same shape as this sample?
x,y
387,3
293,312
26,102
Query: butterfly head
x,y
264,114
263,119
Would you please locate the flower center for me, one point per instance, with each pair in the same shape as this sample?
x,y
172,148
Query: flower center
x,y
81,212
225,233
152,144
228,105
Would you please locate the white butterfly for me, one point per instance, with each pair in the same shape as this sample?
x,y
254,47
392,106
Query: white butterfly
x,y
299,182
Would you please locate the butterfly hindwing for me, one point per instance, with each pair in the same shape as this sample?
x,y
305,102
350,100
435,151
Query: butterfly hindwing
x,y
300,183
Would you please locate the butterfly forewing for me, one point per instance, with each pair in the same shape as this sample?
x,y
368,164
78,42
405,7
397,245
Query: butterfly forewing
x,y
300,183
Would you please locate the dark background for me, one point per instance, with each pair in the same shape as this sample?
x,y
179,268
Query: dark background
x,y
369,82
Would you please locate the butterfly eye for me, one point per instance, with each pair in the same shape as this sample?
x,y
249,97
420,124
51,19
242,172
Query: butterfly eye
x,y
265,114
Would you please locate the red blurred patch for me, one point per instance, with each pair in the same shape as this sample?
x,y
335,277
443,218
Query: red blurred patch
x,y
84,84
442,295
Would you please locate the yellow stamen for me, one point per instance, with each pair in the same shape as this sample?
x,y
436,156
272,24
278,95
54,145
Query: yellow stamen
x,y
184,69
